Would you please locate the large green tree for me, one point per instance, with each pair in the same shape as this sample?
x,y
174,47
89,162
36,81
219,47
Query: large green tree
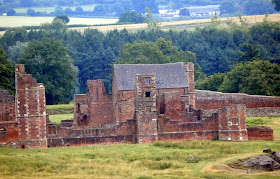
x,y
158,52
258,77
211,83
6,73
131,17
48,61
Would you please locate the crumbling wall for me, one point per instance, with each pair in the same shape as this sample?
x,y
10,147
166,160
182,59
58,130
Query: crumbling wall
x,y
80,111
9,133
31,110
256,105
7,106
232,124
227,124
100,105
107,133
260,133
124,107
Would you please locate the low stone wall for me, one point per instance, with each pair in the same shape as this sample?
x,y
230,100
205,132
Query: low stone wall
x,y
260,133
266,111
256,105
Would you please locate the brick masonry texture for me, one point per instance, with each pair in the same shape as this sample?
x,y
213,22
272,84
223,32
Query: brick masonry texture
x,y
143,108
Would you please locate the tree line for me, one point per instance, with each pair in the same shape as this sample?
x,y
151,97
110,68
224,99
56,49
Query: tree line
x,y
65,59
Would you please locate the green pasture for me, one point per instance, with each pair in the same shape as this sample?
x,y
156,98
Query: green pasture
x,y
158,160
60,107
58,117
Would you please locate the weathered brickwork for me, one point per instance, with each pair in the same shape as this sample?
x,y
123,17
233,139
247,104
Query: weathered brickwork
x,y
7,106
256,105
31,110
260,133
148,103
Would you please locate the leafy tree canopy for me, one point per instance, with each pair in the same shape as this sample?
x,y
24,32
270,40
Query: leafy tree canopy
x,y
131,17
158,52
64,18
47,60
258,77
212,82
6,73
31,12
249,52
11,12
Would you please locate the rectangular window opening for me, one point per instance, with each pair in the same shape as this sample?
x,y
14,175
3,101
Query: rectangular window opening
x,y
148,94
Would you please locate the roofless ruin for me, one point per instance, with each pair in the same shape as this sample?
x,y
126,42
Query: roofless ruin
x,y
149,102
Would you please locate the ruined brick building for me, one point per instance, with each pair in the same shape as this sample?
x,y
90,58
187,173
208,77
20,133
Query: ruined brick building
x,y
151,102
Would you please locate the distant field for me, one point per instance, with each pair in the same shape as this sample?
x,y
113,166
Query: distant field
x,y
158,160
184,24
51,9
18,21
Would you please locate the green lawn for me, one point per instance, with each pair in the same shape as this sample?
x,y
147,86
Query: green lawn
x,y
60,107
58,117
159,160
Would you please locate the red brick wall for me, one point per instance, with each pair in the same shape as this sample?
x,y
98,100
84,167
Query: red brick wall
x,y
7,106
146,111
260,133
80,111
208,127
124,106
232,123
215,100
31,107
100,105
8,132
190,77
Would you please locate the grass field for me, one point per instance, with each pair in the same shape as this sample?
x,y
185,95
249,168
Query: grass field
x,y
158,160
52,9
18,21
60,107
58,117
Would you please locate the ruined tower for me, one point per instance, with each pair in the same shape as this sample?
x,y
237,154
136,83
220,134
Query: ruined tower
x,y
189,67
30,110
146,110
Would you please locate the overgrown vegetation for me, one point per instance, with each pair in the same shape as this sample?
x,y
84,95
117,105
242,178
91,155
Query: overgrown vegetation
x,y
158,160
